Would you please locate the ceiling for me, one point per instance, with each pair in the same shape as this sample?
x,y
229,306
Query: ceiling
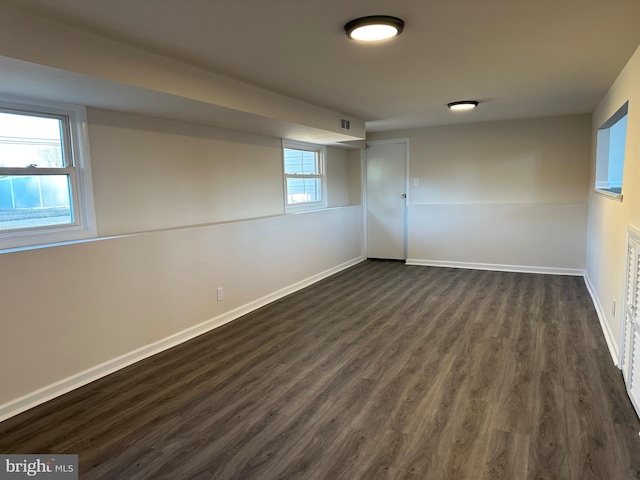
x,y
519,58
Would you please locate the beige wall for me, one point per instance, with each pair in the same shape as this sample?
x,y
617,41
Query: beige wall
x,y
608,219
181,210
337,176
152,174
499,193
355,176
343,176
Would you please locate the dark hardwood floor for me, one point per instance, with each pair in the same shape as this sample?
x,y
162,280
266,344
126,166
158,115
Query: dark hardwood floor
x,y
383,371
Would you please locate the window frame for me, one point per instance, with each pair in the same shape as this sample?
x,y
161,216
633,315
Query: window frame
x,y
77,167
321,151
603,182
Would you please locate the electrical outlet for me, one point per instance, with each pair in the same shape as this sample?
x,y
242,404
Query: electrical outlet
x,y
613,308
220,292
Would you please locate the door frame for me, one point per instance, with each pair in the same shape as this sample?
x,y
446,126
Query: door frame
x,y
405,232
632,234
626,349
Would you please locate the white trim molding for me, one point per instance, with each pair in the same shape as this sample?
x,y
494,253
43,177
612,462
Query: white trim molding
x,y
605,193
606,329
76,166
80,379
321,175
497,267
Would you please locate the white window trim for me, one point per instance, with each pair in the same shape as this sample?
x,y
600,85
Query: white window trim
x,y
84,225
608,194
603,184
322,154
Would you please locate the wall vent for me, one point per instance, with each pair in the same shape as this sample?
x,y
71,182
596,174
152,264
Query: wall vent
x,y
345,124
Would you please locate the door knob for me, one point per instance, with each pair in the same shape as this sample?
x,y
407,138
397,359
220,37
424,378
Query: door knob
x,y
404,195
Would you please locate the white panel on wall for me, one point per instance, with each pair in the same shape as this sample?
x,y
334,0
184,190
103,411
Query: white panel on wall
x,y
550,236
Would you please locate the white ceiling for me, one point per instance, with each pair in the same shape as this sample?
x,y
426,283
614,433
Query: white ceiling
x,y
519,58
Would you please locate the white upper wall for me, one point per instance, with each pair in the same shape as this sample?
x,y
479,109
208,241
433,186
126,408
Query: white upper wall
x,y
151,174
499,195
355,176
608,219
338,173
523,161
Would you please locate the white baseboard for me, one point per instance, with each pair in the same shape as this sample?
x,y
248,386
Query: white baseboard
x,y
77,380
606,329
497,267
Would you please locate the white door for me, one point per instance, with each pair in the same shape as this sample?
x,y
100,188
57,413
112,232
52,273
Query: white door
x,y
631,343
386,199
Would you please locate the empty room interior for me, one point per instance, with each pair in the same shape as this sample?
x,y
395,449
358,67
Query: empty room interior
x,y
249,240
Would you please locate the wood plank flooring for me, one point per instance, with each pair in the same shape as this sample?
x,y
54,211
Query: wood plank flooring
x,y
383,371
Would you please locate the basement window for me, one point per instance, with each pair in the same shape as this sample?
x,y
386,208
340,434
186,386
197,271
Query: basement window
x,y
610,150
45,176
304,176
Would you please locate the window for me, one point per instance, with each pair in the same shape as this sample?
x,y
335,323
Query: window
x,y
611,140
304,176
45,176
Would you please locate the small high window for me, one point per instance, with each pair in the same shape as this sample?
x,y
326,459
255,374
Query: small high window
x,y
611,141
304,176
45,182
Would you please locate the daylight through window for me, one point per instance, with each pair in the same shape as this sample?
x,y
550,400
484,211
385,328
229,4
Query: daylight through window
x,y
611,141
304,176
37,192
43,194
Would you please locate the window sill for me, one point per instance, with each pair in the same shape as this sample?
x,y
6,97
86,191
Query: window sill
x,y
310,207
609,194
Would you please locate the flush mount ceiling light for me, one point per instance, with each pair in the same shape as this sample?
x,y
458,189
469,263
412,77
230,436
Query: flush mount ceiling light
x,y
374,28
462,105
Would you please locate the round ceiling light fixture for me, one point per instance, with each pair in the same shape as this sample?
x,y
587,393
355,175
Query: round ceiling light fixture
x,y
462,105
374,28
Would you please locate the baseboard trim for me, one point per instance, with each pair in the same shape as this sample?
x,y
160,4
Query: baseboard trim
x,y
49,392
497,267
604,325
